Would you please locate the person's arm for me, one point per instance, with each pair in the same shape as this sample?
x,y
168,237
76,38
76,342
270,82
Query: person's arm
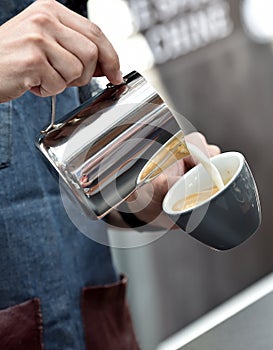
x,y
47,47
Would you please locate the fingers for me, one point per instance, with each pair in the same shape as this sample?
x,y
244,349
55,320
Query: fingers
x,y
47,48
83,50
200,141
51,83
213,150
48,68
107,56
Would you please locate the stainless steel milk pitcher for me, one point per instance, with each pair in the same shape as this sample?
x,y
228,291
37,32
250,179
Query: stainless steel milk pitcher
x,y
101,148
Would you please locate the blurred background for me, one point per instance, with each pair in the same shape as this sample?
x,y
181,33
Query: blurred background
x,y
211,61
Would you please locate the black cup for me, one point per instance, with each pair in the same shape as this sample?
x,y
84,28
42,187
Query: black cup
x,y
230,216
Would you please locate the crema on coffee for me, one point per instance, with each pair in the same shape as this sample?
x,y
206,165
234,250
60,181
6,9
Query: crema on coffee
x,y
193,199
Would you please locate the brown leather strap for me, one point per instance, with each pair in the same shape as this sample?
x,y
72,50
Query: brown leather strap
x,y
21,327
106,318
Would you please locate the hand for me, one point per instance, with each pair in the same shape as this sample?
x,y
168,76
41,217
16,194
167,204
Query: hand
x,y
47,48
146,202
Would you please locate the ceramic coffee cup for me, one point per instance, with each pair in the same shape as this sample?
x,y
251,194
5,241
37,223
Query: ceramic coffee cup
x,y
228,217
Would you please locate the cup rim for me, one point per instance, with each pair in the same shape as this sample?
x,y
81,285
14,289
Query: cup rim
x,y
195,169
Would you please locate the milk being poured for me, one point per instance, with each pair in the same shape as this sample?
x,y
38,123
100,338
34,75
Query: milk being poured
x,y
174,150
197,154
195,198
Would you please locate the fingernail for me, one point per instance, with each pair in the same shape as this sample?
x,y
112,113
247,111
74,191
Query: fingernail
x,y
118,77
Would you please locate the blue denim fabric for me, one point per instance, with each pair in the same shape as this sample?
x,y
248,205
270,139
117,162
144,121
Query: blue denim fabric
x,y
41,252
10,8
5,134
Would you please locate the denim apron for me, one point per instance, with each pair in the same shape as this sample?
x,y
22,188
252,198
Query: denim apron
x,y
44,261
